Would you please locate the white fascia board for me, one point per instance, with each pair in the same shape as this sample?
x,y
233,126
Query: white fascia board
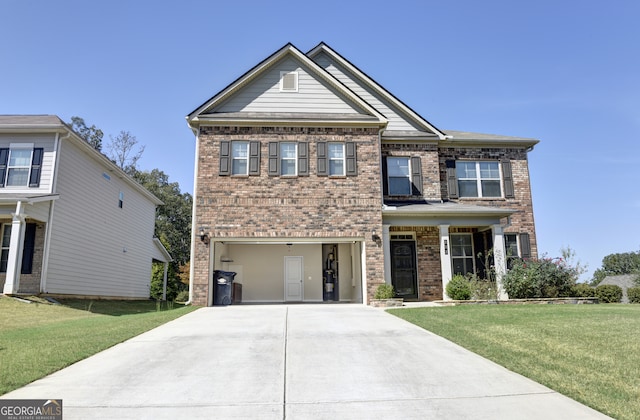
x,y
192,119
376,87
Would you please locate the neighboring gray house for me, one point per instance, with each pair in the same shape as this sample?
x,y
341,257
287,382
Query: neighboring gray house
x,y
624,281
71,221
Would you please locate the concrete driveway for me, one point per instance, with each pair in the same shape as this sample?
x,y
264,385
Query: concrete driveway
x,y
295,362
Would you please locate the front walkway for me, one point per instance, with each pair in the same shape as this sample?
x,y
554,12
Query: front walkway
x,y
295,362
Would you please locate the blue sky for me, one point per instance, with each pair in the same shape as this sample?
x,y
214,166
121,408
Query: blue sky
x,y
565,72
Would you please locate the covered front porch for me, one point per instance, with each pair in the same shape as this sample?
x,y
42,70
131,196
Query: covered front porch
x,y
425,244
24,223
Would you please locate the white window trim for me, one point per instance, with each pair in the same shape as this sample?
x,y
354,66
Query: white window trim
x,y
2,247
479,178
472,256
408,177
343,159
294,158
517,245
19,146
282,76
235,158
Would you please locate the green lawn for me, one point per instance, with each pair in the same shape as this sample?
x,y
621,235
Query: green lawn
x,y
37,339
590,353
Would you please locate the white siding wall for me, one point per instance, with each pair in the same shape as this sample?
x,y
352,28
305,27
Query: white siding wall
x,y
47,142
396,120
90,233
263,94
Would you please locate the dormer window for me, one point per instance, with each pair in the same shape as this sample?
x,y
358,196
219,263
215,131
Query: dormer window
x,y
288,81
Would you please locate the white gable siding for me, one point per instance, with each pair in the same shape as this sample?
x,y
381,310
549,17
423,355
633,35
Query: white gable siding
x,y
264,95
396,120
47,142
96,247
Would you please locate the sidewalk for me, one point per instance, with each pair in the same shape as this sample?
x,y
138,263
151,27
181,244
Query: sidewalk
x,y
295,362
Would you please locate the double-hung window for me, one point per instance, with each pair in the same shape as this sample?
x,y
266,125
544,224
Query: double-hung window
x,y
478,179
336,159
240,158
462,254
20,166
4,255
288,159
399,175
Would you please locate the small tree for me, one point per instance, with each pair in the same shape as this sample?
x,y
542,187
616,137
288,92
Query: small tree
x,y
125,152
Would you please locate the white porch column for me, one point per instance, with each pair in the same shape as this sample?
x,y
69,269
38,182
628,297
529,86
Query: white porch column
x,y
14,262
386,250
499,259
445,259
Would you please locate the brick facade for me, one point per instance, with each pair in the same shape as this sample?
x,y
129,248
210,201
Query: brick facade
x,y
522,220
30,283
295,208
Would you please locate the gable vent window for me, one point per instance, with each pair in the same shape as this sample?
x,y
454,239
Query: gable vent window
x,y
288,81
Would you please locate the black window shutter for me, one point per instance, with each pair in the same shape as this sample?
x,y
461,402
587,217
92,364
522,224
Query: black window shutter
x,y
36,167
225,158
525,245
385,179
416,175
507,176
4,158
351,159
254,158
29,248
274,158
303,158
452,179
323,167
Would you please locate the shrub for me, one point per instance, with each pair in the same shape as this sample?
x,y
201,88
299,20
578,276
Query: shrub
x,y
544,278
182,296
459,288
384,291
634,294
482,289
582,290
609,293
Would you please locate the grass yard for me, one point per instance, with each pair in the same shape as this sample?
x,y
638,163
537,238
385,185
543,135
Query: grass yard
x,y
590,353
38,338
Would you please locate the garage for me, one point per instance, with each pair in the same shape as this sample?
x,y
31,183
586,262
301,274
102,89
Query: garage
x,y
287,272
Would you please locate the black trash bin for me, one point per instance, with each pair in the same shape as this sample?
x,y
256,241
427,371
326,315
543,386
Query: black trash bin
x,y
222,286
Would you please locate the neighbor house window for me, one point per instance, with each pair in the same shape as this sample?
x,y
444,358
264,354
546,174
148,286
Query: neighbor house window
x,y
27,249
240,158
399,175
6,239
462,254
20,166
288,159
336,159
478,179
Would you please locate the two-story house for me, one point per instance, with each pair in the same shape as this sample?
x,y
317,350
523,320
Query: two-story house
x,y
314,183
71,221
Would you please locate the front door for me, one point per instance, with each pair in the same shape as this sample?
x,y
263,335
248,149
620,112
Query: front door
x,y
403,269
293,276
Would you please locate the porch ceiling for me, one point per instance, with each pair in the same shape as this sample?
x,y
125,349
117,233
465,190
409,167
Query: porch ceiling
x,y
433,213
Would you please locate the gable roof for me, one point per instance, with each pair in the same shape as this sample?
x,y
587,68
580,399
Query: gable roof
x,y
397,105
207,111
53,124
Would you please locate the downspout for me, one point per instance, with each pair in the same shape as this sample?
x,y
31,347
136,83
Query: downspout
x,y
47,233
192,269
